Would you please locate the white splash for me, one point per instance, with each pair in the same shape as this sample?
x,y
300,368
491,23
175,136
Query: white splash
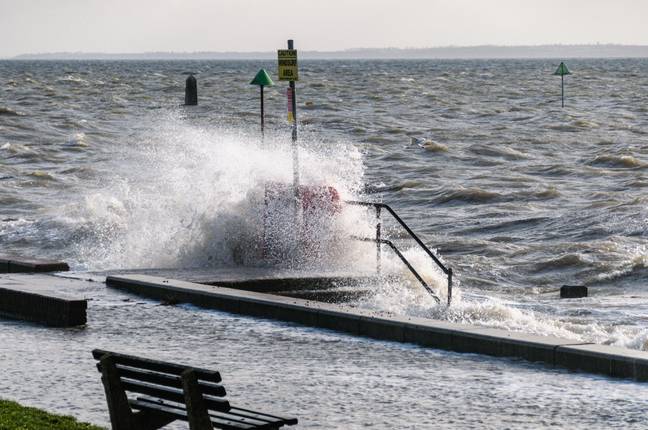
x,y
189,196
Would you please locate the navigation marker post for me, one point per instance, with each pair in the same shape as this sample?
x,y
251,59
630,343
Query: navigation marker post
x,y
262,79
191,91
288,71
561,71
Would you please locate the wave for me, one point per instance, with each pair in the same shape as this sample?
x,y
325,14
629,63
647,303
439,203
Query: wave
x,y
322,106
373,189
378,139
8,111
503,152
635,265
77,140
41,175
432,146
584,123
72,79
579,324
17,150
617,161
572,128
562,262
11,200
508,226
469,195
547,194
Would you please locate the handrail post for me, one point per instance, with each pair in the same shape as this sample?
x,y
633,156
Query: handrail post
x,y
378,239
449,285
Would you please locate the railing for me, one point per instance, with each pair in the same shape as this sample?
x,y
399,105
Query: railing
x,y
380,241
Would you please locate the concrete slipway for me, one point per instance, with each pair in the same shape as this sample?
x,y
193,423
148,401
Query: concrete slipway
x,y
602,359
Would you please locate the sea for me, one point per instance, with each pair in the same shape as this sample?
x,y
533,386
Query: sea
x,y
102,166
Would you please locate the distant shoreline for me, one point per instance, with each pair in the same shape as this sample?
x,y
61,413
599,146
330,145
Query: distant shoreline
x,y
450,52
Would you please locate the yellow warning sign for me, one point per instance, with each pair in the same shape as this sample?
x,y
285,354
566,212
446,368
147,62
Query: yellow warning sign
x,y
287,65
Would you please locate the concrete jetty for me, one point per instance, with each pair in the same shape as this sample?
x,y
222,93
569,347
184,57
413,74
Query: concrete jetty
x,y
14,264
582,356
42,299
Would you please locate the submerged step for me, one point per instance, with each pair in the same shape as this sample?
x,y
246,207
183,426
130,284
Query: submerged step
x,y
41,299
15,264
328,296
297,283
610,361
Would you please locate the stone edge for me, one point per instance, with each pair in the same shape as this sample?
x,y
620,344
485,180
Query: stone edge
x,y
49,310
31,265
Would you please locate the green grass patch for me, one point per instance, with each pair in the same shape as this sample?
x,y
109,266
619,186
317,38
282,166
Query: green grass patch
x,y
16,417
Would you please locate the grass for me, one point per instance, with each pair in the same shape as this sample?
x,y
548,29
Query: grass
x,y
16,417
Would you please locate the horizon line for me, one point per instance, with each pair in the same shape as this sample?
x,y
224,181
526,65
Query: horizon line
x,y
346,51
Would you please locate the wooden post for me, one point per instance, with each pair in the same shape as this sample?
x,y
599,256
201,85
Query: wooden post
x,y
191,91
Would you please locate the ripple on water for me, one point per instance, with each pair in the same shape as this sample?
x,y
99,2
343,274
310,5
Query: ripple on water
x,y
497,151
380,139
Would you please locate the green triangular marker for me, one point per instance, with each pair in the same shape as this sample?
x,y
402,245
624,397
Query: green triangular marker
x,y
562,70
262,78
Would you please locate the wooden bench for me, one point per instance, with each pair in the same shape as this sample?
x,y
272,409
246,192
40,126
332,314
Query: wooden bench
x,y
162,392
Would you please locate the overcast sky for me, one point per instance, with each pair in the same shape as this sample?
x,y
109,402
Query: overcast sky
x,y
129,26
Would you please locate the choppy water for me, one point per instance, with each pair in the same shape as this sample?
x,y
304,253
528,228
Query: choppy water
x,y
100,166
328,380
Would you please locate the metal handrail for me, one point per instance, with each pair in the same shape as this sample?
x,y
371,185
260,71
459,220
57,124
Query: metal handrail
x,y
404,260
379,241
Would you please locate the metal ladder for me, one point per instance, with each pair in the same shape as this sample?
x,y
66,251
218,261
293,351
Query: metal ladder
x,y
379,241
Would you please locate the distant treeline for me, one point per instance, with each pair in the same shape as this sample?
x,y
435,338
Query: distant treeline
x,y
449,52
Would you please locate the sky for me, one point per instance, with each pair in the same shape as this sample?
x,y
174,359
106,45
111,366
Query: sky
x,y
133,26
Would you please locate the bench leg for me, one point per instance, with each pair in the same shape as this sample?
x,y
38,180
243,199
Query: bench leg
x,y
197,414
147,420
121,415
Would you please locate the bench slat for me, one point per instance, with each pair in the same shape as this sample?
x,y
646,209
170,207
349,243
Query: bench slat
x,y
258,423
166,380
158,366
262,416
259,420
151,405
172,394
